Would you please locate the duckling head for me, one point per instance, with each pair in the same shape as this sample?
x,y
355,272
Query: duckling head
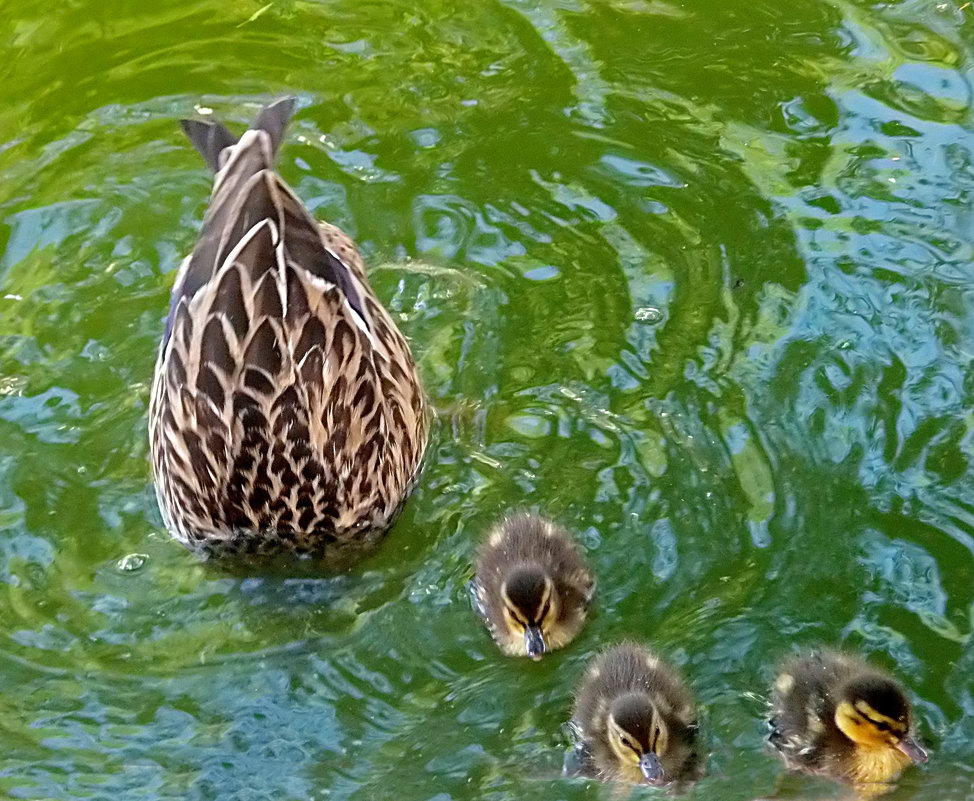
x,y
875,715
638,736
530,606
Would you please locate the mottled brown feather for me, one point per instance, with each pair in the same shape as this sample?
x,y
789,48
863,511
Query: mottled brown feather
x,y
287,411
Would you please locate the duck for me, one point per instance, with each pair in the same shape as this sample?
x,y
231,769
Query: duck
x,y
532,586
286,410
635,720
832,714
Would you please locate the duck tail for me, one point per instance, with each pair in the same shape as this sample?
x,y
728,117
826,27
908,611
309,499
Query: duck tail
x,y
274,119
212,139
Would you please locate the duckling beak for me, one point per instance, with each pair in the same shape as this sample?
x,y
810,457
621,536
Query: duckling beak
x,y
912,749
651,768
534,642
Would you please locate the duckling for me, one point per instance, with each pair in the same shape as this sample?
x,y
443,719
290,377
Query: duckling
x,y
635,719
834,715
286,411
532,587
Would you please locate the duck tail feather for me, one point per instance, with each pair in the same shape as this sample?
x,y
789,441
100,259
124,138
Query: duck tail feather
x,y
210,139
274,119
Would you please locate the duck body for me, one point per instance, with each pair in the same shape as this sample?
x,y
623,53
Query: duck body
x,y
836,716
635,720
286,410
532,586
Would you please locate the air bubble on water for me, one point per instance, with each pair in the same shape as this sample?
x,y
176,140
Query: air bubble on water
x,y
132,562
648,314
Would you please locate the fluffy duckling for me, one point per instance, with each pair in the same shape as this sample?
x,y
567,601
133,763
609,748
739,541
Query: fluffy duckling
x,y
635,719
836,716
532,586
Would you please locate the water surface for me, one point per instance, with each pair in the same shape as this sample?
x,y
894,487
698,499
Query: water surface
x,y
694,278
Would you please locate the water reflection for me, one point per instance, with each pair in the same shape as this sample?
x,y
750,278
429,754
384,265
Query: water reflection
x,y
778,454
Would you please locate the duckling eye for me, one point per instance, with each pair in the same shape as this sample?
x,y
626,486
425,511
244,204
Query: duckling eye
x,y
516,617
629,743
880,725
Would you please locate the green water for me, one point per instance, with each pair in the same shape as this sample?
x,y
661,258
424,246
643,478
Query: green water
x,y
695,278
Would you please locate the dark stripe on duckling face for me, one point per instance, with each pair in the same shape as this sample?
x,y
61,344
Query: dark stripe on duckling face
x,y
879,699
877,702
637,735
529,606
874,713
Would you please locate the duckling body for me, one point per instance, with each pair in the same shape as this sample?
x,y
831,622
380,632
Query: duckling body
x,y
286,411
635,719
834,715
532,586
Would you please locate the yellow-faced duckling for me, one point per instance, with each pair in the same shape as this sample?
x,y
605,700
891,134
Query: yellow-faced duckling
x,y
287,412
532,586
834,715
635,719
